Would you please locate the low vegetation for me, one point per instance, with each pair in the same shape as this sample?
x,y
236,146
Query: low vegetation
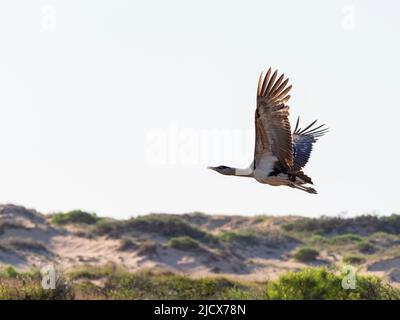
x,y
150,285
222,245
306,254
165,225
337,240
343,239
111,282
127,244
244,237
74,217
353,259
366,247
90,272
147,248
384,239
16,285
363,225
320,284
183,243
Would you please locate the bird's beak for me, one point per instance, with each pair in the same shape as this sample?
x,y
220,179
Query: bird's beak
x,y
211,168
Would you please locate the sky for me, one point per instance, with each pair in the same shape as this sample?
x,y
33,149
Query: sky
x,y
118,107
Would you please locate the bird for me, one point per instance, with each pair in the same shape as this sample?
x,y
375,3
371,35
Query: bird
x,y
280,155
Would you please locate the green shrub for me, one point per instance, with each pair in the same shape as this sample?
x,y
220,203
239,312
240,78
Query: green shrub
x,y
384,239
365,224
117,283
28,286
354,260
366,247
74,217
95,272
238,236
127,244
338,240
165,225
147,285
319,284
347,238
121,284
240,293
316,225
306,254
183,243
319,239
147,248
106,226
8,271
171,226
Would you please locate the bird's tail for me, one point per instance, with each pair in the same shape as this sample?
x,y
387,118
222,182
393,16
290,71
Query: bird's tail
x,y
302,176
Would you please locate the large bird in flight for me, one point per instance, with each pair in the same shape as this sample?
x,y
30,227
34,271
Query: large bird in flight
x,y
279,155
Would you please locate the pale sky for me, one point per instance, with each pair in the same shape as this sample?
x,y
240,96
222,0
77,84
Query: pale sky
x,y
117,107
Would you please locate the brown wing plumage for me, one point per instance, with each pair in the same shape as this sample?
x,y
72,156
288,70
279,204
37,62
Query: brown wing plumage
x,y
273,134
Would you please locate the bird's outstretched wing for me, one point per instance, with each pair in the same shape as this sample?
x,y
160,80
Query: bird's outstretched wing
x,y
273,134
303,140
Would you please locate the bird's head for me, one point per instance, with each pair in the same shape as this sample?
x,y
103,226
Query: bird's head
x,y
228,171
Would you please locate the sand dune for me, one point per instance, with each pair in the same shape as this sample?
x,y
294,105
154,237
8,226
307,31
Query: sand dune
x,y
253,248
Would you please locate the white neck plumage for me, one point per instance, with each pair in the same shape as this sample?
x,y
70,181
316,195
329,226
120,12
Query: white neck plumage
x,y
248,172
228,171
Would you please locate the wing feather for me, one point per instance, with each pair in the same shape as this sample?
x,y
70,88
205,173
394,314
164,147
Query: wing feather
x,y
268,83
276,92
266,79
303,141
273,133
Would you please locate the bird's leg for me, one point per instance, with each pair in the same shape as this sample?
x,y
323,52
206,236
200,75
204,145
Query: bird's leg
x,y
306,189
295,186
311,190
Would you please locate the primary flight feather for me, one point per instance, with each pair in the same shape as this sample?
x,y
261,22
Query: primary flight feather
x,y
279,155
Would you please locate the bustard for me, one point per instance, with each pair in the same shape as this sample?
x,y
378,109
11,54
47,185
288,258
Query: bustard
x,y
279,154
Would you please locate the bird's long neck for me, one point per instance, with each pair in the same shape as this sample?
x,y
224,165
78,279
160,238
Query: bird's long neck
x,y
248,172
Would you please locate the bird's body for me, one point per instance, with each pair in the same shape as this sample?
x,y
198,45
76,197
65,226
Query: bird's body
x,y
279,154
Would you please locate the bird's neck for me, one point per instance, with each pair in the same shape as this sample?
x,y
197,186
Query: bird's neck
x,y
248,172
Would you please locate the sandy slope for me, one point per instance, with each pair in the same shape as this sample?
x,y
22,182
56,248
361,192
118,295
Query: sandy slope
x,y
69,248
